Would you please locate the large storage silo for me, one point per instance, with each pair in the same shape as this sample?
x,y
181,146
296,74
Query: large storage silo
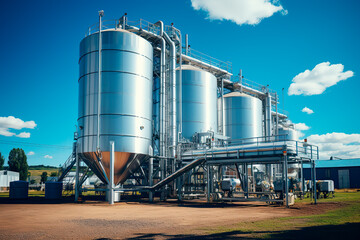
x,y
199,96
126,101
242,116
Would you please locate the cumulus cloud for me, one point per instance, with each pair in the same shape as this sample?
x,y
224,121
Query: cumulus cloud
x,y
241,12
300,127
23,135
7,123
48,156
335,144
317,80
30,153
307,110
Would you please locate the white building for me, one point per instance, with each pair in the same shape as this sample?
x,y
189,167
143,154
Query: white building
x,y
6,177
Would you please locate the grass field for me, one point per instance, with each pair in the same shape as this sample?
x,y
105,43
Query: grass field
x,y
307,225
39,172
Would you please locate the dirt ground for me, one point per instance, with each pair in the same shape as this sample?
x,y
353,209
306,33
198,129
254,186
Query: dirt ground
x,y
134,220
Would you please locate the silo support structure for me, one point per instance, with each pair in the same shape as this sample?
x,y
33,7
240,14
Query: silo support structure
x,y
111,182
268,116
173,139
77,176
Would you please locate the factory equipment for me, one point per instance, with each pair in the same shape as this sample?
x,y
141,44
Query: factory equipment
x,y
198,98
117,105
242,117
154,117
325,188
228,185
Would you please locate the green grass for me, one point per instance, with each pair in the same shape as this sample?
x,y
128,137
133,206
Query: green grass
x,y
348,213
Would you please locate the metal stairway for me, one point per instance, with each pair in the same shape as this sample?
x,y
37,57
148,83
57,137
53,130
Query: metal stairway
x,y
66,167
179,172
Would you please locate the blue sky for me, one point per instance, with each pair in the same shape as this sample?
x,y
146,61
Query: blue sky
x,y
39,47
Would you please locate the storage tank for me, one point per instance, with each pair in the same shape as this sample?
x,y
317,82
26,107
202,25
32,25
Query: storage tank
x,y
199,95
53,190
242,116
19,190
287,134
126,101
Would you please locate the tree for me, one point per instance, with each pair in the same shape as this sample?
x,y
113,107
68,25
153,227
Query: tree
x,y
18,162
2,160
53,174
44,177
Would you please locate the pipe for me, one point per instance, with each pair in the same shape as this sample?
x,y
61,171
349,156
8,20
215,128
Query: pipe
x,y
101,14
180,84
162,88
186,44
277,116
173,138
222,108
268,116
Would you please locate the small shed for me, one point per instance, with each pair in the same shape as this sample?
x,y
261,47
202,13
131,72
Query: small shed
x,y
6,177
345,172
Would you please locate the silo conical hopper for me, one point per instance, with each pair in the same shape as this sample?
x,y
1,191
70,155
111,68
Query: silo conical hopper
x,y
126,101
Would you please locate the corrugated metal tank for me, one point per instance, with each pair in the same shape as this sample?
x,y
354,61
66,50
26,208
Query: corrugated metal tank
x,y
242,116
199,107
126,101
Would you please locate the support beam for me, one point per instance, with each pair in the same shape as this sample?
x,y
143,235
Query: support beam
x,y
111,180
77,175
314,181
286,180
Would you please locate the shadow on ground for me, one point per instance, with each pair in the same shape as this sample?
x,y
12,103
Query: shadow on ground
x,y
345,231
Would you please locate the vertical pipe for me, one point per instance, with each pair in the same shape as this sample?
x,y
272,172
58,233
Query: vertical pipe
x,y
314,181
77,174
277,115
180,84
101,14
151,172
240,79
162,89
111,180
302,180
186,44
173,138
222,108
286,181
268,116
208,183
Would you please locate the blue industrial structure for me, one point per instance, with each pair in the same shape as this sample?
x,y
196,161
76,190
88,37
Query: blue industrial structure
x,y
345,172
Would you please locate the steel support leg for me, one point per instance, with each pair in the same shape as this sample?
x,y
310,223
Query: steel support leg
x,y
111,180
286,181
77,177
314,181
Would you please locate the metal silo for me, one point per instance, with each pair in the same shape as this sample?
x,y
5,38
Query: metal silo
x,y
287,134
199,96
126,101
242,116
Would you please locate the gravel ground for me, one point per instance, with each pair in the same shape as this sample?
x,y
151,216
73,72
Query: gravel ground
x,y
161,220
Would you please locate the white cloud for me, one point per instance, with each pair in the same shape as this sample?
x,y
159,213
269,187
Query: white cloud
x,y
299,127
239,11
307,110
30,153
23,135
317,80
340,145
48,156
7,123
